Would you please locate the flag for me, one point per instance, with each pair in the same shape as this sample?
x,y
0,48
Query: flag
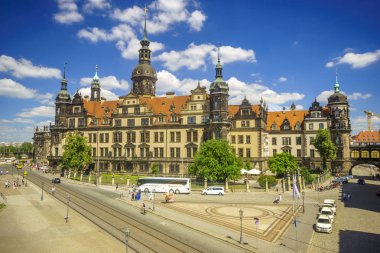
x,y
296,192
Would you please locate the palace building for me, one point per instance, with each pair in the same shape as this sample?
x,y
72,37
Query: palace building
x,y
140,129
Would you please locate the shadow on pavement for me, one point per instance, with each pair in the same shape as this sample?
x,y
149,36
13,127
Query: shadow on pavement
x,y
362,196
354,241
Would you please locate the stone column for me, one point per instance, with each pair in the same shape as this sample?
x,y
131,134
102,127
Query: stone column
x,y
283,185
226,188
100,179
89,178
288,186
266,184
205,183
113,181
247,185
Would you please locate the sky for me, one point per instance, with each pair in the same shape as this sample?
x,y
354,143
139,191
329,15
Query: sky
x,y
283,51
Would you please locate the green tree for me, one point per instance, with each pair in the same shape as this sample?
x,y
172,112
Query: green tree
x,y
247,165
272,181
76,154
324,146
216,161
282,162
26,147
154,169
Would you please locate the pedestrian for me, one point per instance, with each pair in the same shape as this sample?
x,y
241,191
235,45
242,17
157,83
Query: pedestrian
x,y
52,190
143,210
275,200
348,196
344,196
117,186
279,198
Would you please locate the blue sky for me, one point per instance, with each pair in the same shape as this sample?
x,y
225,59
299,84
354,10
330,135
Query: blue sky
x,y
284,51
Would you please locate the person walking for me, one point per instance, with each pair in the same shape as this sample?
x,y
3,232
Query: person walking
x,y
143,208
52,190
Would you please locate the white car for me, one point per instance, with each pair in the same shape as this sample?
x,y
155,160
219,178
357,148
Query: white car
x,y
332,203
323,224
327,211
213,190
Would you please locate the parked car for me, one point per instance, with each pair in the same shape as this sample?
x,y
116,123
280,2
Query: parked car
x,y
342,180
56,180
329,204
213,190
349,176
361,181
323,224
327,211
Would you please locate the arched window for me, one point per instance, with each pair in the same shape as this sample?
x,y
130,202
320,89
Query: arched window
x,y
375,154
365,154
355,154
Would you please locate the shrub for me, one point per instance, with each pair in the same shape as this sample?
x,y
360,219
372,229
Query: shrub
x,y
305,172
272,181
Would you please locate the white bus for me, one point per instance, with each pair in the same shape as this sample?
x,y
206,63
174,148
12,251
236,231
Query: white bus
x,y
164,184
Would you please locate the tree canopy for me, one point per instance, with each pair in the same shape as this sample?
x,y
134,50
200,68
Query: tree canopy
x,y
216,161
279,163
324,146
76,154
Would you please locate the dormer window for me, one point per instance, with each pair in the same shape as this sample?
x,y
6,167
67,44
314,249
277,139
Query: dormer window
x,y
161,119
76,110
173,118
245,112
298,126
274,126
285,125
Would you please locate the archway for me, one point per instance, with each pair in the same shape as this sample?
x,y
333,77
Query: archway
x,y
364,170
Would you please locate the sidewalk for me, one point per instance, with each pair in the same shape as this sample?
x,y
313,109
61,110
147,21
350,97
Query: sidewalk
x,y
28,224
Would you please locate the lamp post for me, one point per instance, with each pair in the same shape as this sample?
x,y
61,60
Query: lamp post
x,y
154,196
67,209
241,225
127,234
303,201
42,191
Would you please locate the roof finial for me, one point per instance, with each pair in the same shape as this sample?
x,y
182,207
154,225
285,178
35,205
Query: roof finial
x,y
96,77
64,70
218,53
145,32
336,75
336,86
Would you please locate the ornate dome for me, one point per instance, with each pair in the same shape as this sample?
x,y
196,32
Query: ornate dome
x,y
337,97
144,70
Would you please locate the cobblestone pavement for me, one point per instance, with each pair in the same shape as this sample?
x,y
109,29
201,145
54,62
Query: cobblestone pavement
x,y
357,224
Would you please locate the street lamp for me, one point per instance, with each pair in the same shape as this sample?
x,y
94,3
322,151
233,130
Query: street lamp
x,y
127,234
241,225
303,201
154,196
42,191
67,209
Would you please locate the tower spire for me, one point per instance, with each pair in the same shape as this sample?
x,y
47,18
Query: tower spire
x,y
218,54
145,32
219,67
336,86
96,77
64,70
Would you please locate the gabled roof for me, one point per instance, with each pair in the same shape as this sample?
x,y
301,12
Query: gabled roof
x,y
279,117
97,108
367,136
234,109
163,105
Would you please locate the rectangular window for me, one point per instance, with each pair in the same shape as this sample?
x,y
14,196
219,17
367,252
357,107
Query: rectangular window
x,y
321,126
89,138
188,134
106,152
101,138
93,151
248,152
195,136
117,122
240,152
312,153
161,137
101,152
233,139
286,141
142,152
240,139
311,126
172,150
204,119
107,138
94,137
161,152
161,119
248,139
191,120
145,121
72,123
274,152
274,141
311,140
172,136
298,141
155,152
80,122
155,136
298,152
131,122
56,151
178,152
188,152
137,110
178,137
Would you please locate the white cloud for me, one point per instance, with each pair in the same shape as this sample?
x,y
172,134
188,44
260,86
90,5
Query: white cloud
x,y
68,12
40,111
238,89
360,123
17,120
103,93
356,60
194,57
107,82
358,95
282,79
133,16
91,5
196,20
120,32
24,68
8,88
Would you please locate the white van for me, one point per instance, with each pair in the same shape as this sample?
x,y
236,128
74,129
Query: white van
x,y
213,190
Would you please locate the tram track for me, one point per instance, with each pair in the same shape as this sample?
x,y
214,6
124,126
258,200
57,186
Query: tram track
x,y
143,237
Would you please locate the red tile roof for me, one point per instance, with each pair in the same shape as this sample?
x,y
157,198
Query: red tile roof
x,y
279,117
367,136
